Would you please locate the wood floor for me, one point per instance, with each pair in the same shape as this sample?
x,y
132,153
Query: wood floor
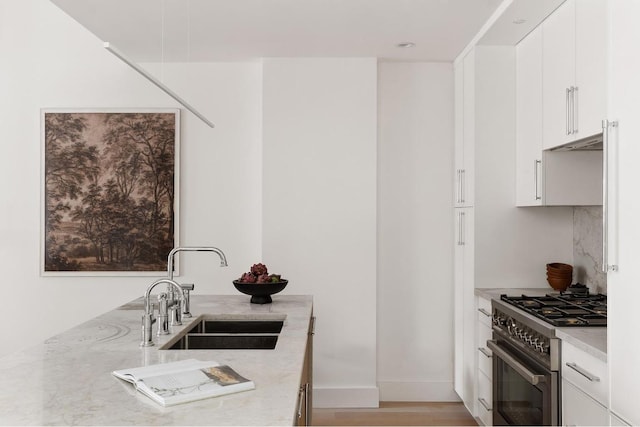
x,y
397,414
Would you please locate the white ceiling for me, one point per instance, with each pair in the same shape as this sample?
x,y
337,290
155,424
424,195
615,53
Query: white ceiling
x,y
229,30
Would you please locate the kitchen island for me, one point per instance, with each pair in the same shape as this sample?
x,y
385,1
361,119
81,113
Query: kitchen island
x,y
67,380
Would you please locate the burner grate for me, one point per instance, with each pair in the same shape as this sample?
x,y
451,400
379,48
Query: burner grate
x,y
568,309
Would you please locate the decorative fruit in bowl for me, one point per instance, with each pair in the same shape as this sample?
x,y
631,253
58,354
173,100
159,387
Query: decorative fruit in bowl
x,y
260,284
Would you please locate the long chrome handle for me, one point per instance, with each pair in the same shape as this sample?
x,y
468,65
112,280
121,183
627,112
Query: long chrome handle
x,y
463,236
459,187
571,109
575,109
300,400
582,372
462,185
485,404
537,165
485,352
521,369
566,112
606,125
485,312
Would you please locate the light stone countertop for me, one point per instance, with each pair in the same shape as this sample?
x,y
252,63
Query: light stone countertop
x,y
592,340
67,380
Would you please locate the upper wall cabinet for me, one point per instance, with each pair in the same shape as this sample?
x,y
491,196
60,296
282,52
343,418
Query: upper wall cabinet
x,y
574,71
544,68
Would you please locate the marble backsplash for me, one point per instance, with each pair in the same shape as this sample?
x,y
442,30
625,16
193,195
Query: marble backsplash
x,y
587,248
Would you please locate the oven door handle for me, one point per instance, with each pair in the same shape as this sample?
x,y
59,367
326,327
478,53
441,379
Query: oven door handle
x,y
531,378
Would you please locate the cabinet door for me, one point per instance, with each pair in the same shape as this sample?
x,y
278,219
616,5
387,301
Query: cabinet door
x,y
591,67
578,409
458,148
623,328
464,306
468,135
529,120
558,74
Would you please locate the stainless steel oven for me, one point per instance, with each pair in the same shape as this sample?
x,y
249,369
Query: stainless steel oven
x,y
524,391
526,359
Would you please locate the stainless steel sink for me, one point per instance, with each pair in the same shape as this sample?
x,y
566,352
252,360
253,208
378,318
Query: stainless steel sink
x,y
229,334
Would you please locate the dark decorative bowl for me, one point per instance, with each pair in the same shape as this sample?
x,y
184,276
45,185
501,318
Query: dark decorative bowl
x,y
260,292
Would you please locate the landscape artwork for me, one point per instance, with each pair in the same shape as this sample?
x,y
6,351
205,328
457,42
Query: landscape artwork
x,y
110,181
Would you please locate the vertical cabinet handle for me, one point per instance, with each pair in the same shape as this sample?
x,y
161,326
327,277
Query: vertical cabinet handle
x,y
575,109
606,126
571,109
463,236
461,228
459,186
462,185
537,166
566,112
301,397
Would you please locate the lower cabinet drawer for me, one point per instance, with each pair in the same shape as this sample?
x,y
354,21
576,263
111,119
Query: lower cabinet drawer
x,y
485,357
586,372
578,409
484,409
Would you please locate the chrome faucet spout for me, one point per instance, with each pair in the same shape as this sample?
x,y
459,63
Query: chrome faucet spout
x,y
174,251
147,317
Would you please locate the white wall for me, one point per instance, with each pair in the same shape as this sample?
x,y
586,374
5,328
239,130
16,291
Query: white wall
x,y
415,294
49,61
319,211
307,206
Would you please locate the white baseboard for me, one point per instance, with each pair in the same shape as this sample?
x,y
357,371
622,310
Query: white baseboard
x,y
391,391
356,397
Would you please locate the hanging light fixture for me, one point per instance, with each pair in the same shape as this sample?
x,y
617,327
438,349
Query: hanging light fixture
x,y
111,48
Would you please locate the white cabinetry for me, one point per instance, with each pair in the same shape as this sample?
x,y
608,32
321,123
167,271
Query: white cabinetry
x,y
579,409
551,178
574,71
464,321
585,388
623,292
504,236
484,356
464,75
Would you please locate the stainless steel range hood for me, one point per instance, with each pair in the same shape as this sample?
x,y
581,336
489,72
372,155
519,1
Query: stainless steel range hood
x,y
590,143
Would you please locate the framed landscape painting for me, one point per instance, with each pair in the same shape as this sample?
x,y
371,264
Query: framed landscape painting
x,y
109,191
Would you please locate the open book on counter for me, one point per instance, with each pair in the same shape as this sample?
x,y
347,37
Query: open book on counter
x,y
185,381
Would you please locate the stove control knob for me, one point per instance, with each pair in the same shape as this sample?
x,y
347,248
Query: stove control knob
x,y
499,320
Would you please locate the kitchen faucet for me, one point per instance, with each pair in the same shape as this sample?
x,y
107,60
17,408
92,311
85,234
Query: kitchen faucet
x,y
176,312
147,317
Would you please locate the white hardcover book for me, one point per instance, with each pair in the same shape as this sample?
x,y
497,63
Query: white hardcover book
x,y
185,381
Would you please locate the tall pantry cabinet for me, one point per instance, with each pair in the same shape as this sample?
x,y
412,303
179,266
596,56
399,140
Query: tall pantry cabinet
x,y
463,225
491,236
623,285
496,244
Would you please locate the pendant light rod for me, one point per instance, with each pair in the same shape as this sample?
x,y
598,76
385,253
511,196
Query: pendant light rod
x,y
111,48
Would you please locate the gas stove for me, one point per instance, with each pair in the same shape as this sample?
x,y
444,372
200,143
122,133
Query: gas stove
x,y
564,309
526,351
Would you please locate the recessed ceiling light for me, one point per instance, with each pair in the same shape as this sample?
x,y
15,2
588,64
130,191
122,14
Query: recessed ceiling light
x,y
519,21
406,45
